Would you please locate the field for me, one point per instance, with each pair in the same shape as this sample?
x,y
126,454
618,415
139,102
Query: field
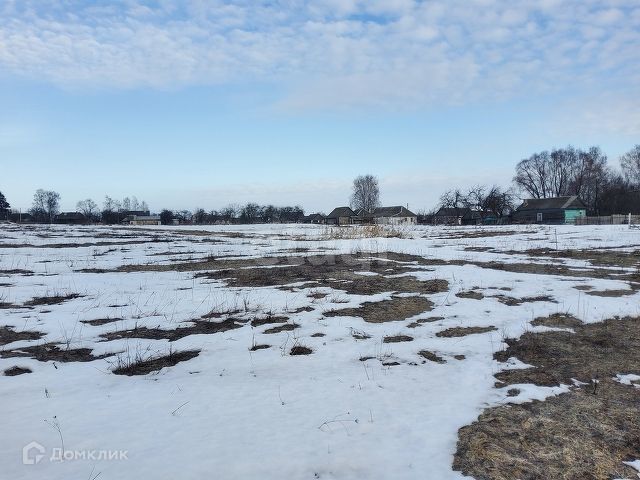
x,y
277,351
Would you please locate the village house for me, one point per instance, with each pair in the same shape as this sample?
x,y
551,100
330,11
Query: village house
x,y
398,215
556,210
341,216
145,220
70,218
315,218
457,216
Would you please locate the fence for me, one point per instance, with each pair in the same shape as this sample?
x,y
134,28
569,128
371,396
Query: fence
x,y
609,220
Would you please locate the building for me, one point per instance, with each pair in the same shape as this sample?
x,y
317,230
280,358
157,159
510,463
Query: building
x,y
341,216
70,218
21,217
145,220
457,216
556,210
394,216
314,218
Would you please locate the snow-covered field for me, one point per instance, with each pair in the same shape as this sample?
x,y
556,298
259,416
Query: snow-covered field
x,y
356,407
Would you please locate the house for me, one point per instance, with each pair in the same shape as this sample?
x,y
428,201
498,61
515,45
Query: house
x,y
457,216
128,215
145,220
340,216
556,210
70,218
394,216
21,217
313,218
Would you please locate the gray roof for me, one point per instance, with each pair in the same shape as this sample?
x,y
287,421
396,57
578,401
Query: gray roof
x,y
341,212
452,212
146,217
398,211
69,215
572,202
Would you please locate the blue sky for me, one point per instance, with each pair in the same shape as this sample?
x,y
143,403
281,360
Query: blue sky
x,y
204,103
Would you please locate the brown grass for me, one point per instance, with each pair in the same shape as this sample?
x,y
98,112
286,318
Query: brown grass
x,y
432,357
51,299
199,327
300,350
287,327
584,434
14,371
9,335
393,310
473,294
51,352
397,339
153,364
464,331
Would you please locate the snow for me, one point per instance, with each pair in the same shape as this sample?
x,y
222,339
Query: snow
x,y
629,379
233,413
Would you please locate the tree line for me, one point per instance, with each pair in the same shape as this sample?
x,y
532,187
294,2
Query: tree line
x,y
560,172
235,214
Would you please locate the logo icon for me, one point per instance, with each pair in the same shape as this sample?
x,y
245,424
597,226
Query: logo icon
x,y
32,453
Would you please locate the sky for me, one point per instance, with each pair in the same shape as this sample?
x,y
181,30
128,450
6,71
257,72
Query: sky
x,y
199,103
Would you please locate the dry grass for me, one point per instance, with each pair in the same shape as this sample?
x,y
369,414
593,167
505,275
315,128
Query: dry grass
x,y
584,434
397,339
464,331
14,371
393,310
9,335
51,352
51,299
198,327
139,365
364,231
432,357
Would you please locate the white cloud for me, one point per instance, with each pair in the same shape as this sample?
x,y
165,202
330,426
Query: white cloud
x,y
329,53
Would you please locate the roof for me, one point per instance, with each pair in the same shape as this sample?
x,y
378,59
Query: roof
x,y
315,216
146,217
341,212
70,216
452,212
398,211
572,202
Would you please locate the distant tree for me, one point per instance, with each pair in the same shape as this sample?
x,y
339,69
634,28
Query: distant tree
x,y
126,204
144,207
250,213
166,217
135,205
199,216
452,199
4,207
630,163
230,213
88,208
110,215
46,205
366,193
500,203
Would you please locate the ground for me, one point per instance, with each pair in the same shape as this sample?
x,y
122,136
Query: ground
x,y
290,351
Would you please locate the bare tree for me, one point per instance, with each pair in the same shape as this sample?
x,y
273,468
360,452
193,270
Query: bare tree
x,y
630,163
4,207
452,199
366,193
88,208
126,204
46,205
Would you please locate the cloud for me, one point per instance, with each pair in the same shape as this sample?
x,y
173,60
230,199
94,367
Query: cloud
x,y
329,54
